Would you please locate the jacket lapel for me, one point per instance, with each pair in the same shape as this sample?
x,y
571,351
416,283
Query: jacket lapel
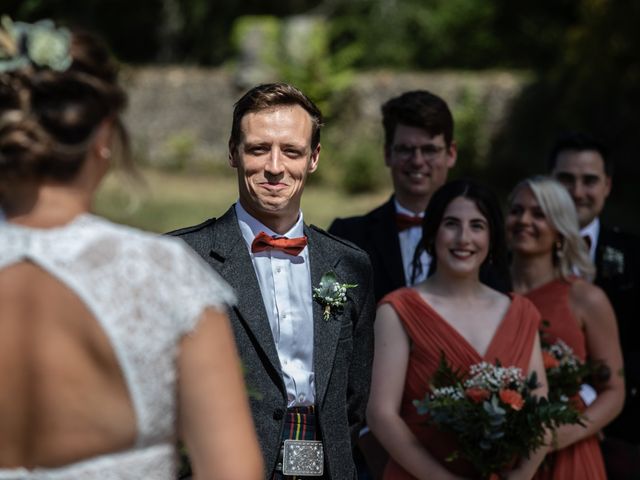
x,y
387,243
231,259
325,332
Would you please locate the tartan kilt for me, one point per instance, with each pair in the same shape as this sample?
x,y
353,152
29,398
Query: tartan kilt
x,y
299,424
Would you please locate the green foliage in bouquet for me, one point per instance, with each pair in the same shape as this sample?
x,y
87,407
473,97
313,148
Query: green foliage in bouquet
x,y
493,414
566,372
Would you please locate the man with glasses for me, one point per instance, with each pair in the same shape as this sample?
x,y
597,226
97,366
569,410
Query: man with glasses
x,y
419,151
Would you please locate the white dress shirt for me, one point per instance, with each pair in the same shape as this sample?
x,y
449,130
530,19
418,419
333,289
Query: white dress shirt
x,y
285,284
592,230
409,240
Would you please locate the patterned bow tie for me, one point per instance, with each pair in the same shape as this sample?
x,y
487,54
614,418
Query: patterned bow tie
x,y
291,246
404,222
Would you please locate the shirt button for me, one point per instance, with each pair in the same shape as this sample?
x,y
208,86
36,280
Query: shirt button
x,y
284,315
278,269
301,398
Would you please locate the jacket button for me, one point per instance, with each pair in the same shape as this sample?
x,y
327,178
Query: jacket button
x,y
278,414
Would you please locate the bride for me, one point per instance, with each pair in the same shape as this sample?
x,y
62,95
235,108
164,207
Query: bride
x,y
113,342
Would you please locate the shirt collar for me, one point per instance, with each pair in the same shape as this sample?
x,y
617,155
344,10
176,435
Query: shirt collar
x,y
250,226
593,229
404,211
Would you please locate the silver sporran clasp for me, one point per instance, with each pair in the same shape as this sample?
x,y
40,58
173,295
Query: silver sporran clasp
x,y
303,458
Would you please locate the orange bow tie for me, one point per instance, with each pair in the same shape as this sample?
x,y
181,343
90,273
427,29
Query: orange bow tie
x,y
404,222
291,246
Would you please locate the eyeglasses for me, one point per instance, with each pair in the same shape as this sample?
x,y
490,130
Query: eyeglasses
x,y
407,152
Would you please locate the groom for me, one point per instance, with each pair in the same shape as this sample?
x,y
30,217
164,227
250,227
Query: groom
x,y
307,362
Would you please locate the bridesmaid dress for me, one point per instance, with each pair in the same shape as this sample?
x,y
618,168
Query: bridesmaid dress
x,y
431,336
582,460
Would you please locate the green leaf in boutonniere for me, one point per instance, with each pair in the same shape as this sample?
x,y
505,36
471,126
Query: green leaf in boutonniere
x,y
331,294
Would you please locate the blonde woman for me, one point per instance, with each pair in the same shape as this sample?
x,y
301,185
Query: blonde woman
x,y
551,267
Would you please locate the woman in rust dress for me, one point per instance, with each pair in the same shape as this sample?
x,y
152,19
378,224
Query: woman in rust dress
x,y
453,313
549,259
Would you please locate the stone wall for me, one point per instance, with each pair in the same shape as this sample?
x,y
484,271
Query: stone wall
x,y
183,114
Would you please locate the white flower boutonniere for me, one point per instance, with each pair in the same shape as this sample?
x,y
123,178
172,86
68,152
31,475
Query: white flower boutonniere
x,y
612,262
331,294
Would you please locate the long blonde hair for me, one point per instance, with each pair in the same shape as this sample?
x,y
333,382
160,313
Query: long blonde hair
x,y
572,256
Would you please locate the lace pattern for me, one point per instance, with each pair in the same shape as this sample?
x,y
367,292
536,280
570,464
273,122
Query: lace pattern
x,y
152,463
145,291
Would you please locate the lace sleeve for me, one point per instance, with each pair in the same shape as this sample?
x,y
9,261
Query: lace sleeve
x,y
197,286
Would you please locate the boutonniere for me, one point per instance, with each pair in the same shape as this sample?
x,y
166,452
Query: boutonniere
x,y
331,294
612,262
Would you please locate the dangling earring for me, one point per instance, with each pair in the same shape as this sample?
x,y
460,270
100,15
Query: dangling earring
x,y
558,249
104,153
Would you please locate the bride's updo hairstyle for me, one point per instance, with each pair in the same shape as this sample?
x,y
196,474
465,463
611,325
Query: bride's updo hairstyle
x,y
49,112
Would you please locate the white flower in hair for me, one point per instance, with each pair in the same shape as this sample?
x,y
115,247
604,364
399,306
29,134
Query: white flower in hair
x,y
49,46
40,44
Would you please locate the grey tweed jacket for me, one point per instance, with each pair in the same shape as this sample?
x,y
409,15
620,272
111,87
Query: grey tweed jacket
x,y
343,345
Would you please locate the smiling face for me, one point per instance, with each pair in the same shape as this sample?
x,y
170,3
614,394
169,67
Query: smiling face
x,y
273,160
529,233
419,164
463,238
583,175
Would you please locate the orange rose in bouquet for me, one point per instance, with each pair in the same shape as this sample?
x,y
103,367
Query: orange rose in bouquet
x,y
478,395
511,398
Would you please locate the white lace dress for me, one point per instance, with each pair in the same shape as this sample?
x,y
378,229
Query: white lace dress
x,y
146,292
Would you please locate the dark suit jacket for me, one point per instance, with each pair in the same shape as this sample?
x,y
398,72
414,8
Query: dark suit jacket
x,y
343,345
376,233
618,274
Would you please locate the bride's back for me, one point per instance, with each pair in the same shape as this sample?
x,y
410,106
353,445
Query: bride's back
x,y
62,393
63,396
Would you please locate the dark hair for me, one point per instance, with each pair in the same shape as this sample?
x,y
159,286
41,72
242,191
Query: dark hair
x,y
494,270
579,142
418,108
48,117
270,95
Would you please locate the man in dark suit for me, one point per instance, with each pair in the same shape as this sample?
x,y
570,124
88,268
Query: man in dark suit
x,y
307,358
419,150
582,165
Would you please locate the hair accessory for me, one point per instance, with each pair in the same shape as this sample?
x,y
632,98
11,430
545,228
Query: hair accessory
x,y
39,44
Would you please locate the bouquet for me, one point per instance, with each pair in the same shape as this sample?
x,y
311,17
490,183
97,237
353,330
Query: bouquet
x,y
492,413
565,372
